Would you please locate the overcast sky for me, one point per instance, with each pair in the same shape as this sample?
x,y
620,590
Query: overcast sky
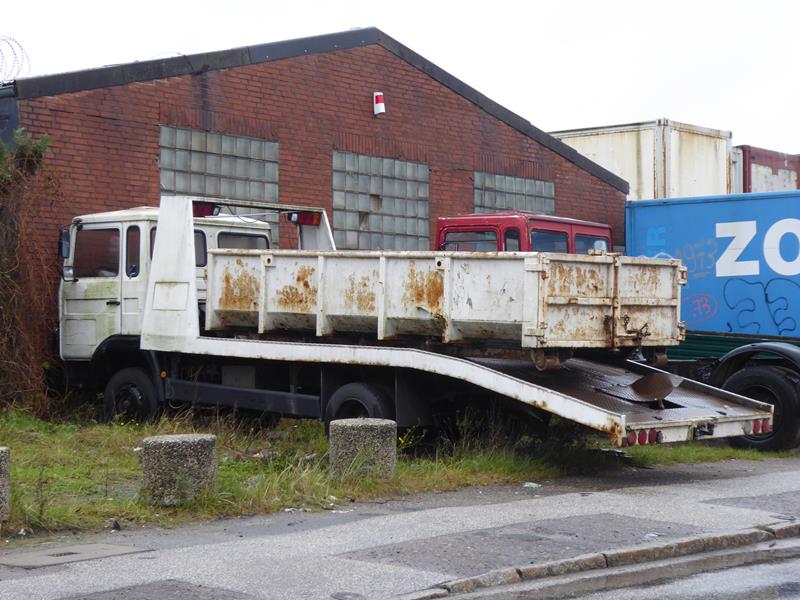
x,y
566,64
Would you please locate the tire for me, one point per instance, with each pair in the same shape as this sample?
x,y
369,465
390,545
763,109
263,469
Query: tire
x,y
130,396
777,387
360,400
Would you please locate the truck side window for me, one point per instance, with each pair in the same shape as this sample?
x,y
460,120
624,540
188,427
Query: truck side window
x,y
96,253
511,240
199,246
543,240
132,250
242,241
584,243
470,241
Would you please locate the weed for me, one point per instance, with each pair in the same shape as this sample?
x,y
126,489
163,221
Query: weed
x,y
79,475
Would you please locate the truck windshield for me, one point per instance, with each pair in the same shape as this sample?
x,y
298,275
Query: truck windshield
x,y
470,241
96,253
543,240
584,243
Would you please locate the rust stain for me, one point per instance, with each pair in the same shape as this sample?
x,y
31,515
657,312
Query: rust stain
x,y
615,433
239,288
359,295
567,279
302,297
424,290
646,280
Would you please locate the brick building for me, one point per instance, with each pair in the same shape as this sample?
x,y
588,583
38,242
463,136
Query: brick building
x,y
293,122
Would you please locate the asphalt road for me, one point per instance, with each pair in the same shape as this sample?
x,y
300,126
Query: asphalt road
x,y
377,550
772,581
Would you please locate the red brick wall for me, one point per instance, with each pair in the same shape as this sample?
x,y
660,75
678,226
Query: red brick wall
x,y
105,142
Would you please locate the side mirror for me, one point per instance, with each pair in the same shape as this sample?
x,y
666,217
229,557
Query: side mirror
x,y
63,243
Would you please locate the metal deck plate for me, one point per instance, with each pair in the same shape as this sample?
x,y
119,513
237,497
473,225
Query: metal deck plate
x,y
608,387
48,557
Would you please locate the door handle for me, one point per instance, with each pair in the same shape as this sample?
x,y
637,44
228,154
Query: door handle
x,y
113,303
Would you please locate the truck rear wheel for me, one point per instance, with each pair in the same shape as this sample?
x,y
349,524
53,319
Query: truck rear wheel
x,y
130,396
773,386
360,400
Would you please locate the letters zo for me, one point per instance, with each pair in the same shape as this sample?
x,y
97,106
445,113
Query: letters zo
x,y
743,232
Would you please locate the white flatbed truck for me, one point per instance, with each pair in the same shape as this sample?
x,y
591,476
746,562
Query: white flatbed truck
x,y
329,334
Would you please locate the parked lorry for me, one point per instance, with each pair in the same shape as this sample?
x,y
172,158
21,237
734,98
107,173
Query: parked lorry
x,y
318,333
742,299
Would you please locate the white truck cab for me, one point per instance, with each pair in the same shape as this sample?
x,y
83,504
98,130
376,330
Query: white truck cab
x,y
107,263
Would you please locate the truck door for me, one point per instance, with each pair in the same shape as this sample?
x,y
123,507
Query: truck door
x,y
90,298
133,281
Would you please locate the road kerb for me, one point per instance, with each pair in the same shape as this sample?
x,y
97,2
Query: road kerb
x,y
612,558
585,562
488,579
684,547
429,594
784,530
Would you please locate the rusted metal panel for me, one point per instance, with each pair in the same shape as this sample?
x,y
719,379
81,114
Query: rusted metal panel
x,y
537,300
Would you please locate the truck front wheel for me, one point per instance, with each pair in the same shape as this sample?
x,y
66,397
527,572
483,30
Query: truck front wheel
x,y
359,400
777,387
130,396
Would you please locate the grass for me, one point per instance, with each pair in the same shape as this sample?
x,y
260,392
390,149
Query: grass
x,y
69,476
667,454
79,476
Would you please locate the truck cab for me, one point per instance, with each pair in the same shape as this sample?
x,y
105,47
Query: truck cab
x,y
520,232
107,259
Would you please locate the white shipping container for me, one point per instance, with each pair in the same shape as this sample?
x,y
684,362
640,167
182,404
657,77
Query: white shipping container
x,y
660,159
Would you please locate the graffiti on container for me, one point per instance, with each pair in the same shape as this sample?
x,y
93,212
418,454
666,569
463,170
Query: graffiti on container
x,y
699,257
763,308
698,308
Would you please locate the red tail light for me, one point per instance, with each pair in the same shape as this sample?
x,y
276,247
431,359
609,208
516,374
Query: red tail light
x,y
765,426
642,437
631,438
204,209
652,436
304,218
757,426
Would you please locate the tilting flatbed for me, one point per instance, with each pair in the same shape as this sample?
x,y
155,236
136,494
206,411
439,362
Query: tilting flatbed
x,y
631,402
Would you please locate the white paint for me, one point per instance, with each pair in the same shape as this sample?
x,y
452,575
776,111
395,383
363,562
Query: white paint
x,y
728,264
764,179
772,247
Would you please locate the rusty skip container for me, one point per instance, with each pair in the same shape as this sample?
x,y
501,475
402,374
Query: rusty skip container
x,y
660,159
536,300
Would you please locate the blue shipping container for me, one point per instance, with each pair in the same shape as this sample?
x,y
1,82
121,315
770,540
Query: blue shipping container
x,y
742,254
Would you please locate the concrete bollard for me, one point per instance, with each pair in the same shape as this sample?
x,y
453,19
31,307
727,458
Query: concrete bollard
x,y
365,446
5,477
178,468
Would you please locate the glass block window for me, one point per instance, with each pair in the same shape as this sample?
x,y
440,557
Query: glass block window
x,y
499,193
379,203
203,163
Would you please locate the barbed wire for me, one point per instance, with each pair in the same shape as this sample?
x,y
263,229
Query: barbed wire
x,y
13,59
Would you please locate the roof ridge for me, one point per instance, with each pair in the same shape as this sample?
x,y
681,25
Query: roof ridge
x,y
49,85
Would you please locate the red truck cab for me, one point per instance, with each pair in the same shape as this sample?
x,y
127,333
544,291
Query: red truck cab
x,y
520,232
